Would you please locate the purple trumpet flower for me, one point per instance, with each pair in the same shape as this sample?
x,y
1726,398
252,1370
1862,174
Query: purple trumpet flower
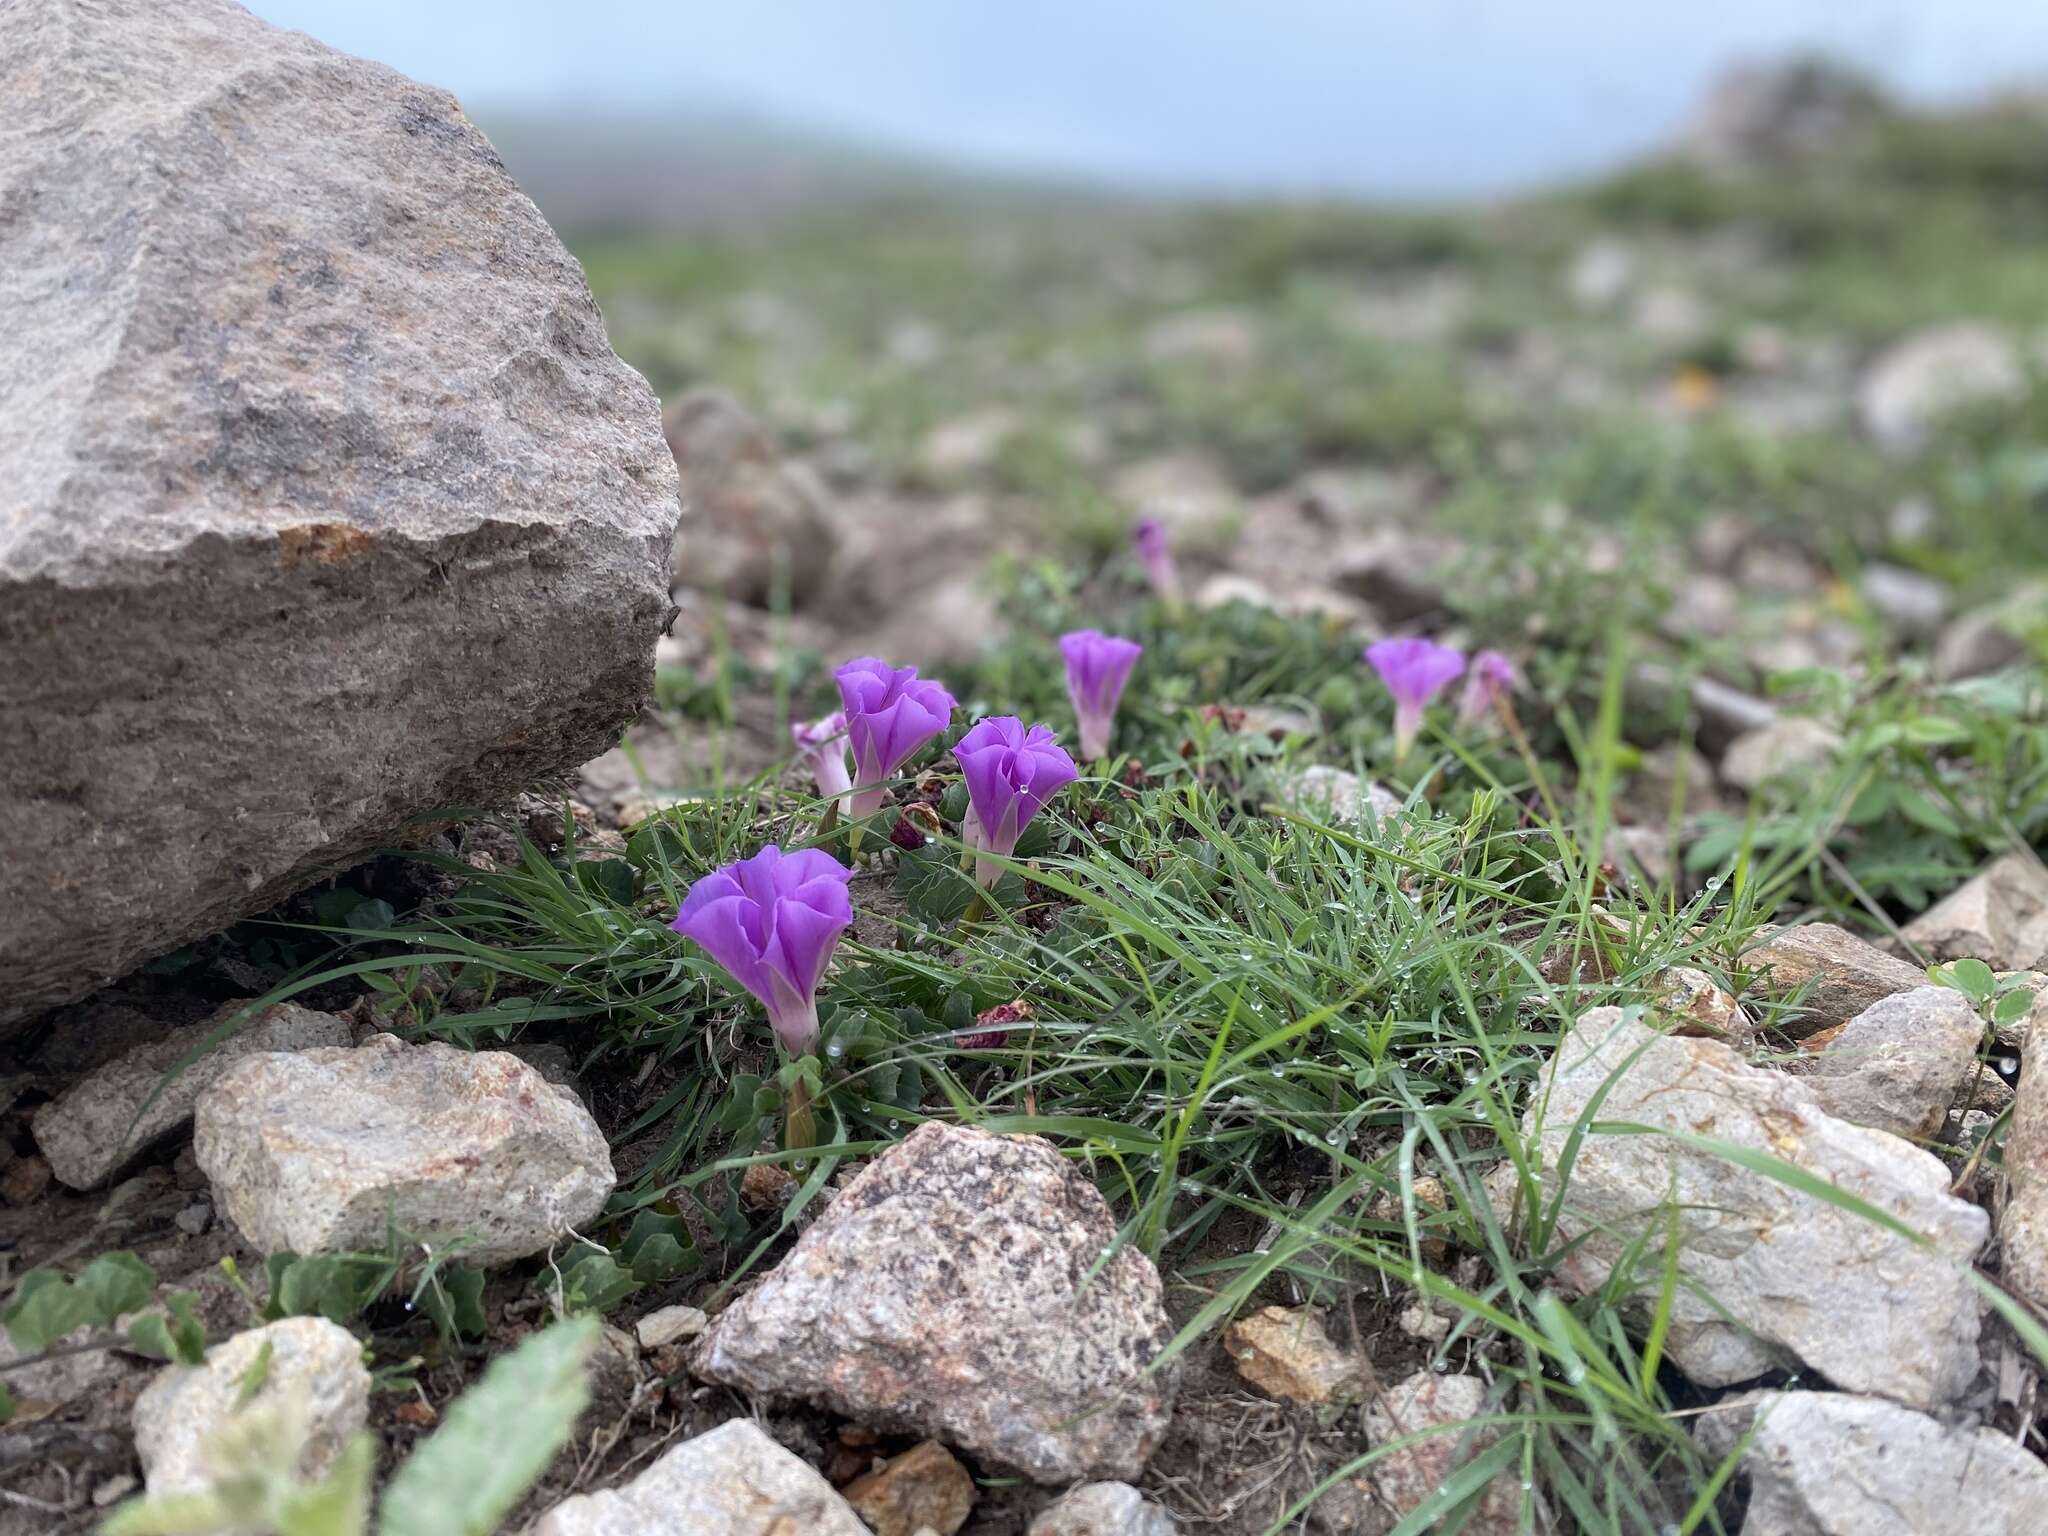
x,y
1492,678
1098,666
890,713
1011,773
821,749
1149,539
772,922
1415,671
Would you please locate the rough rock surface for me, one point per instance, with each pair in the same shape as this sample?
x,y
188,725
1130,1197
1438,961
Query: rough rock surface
x,y
2023,1224
1286,1352
1798,1279
1103,1509
745,512
318,1150
1846,974
924,1489
1836,1464
1931,374
948,1291
1792,745
734,1481
1695,1004
312,1362
85,1132
1405,1477
1999,916
1899,1064
1400,574
670,1325
1339,794
1771,114
325,501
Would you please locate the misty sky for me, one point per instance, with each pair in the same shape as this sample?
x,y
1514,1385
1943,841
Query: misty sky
x,y
1400,97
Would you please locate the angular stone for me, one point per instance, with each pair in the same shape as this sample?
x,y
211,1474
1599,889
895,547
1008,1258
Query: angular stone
x,y
1999,915
90,1132
2023,1223
923,1489
1836,1464
953,1290
322,1150
313,1364
300,401
1845,974
1286,1352
733,1481
1698,1005
1794,1278
1977,643
1900,1064
1930,375
1403,1478
670,1325
1400,574
1103,1509
749,519
1788,746
1776,113
1911,602
1338,794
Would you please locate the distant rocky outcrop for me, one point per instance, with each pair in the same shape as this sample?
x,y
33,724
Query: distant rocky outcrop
x,y
1761,115
323,499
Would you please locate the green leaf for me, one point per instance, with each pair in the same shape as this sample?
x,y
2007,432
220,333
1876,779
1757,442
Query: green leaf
x,y
170,1514
1973,978
738,1112
657,1247
115,1284
2012,1007
613,879
172,1334
453,1296
254,1377
593,1281
932,885
45,1307
497,1440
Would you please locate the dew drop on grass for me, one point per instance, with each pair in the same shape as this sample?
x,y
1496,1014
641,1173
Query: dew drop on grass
x,y
1575,1374
1334,1138
836,1049
1279,1071
895,1126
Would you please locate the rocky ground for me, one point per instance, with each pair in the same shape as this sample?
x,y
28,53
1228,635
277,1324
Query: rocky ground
x,y
1528,1129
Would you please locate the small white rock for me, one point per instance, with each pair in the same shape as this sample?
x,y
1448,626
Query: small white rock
x,y
734,1481
670,1325
1901,1063
85,1132
1931,374
1999,915
1792,1277
1836,1464
313,1365
1792,745
1103,1509
1339,794
324,1150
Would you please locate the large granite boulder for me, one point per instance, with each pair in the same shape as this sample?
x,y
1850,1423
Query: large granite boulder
x,y
323,499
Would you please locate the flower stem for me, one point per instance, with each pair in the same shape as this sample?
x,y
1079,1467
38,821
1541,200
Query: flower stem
x,y
799,1127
